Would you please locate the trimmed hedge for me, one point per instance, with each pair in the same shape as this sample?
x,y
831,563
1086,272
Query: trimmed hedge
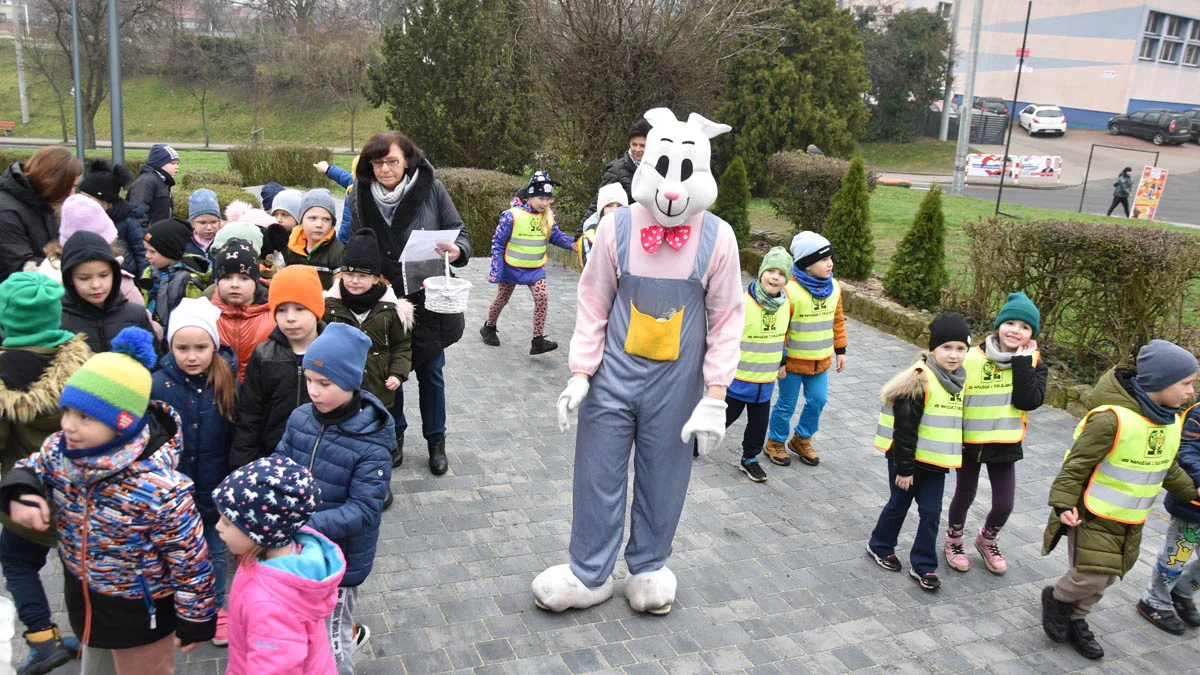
x,y
225,194
481,196
190,179
751,259
8,156
284,164
1103,290
802,186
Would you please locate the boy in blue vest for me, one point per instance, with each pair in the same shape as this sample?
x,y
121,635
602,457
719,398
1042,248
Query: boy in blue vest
x,y
761,360
1124,453
816,340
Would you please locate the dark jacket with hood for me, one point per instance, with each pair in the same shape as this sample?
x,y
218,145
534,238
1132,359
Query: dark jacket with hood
x,y
27,223
350,458
1029,391
1102,546
1189,461
31,382
273,388
906,392
100,325
426,206
128,219
620,170
152,188
206,432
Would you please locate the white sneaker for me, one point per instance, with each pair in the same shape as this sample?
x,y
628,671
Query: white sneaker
x,y
651,592
557,589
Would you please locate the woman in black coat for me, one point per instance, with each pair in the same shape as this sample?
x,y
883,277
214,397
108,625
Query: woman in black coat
x,y
29,193
396,191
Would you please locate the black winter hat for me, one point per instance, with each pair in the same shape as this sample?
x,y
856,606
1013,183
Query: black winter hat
x,y
237,256
362,253
82,247
169,237
104,181
540,185
948,327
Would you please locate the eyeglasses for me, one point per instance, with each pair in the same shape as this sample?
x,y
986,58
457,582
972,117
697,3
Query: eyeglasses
x,y
390,163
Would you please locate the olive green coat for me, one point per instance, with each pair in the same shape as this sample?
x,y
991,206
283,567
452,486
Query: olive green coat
x,y
389,325
1102,546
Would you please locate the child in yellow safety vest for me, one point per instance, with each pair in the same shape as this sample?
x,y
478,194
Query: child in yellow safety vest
x,y
1124,453
1006,378
816,339
761,360
519,258
920,430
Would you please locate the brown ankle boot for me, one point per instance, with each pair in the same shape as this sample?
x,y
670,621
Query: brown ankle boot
x,y
803,447
777,453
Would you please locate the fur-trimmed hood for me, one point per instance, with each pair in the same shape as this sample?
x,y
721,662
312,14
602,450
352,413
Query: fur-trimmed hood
x,y
908,383
404,308
41,397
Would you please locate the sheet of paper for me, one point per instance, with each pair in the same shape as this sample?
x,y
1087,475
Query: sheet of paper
x,y
422,244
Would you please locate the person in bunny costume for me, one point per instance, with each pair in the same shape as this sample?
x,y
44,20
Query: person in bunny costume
x,y
656,342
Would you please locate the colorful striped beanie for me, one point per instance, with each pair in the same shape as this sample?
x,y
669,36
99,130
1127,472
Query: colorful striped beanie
x,y
114,387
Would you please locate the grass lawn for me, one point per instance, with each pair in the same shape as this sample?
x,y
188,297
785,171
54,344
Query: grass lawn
x,y
922,155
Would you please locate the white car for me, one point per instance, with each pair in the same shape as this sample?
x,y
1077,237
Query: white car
x,y
1037,119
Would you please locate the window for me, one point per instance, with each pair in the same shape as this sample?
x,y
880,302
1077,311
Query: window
x,y
1138,117
1151,118
1194,34
1175,26
1154,23
1191,56
1170,51
1149,47
945,9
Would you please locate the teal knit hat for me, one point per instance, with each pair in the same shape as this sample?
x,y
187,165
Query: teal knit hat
x,y
1020,307
778,258
31,311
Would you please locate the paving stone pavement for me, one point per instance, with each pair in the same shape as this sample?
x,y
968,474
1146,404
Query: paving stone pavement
x,y
773,577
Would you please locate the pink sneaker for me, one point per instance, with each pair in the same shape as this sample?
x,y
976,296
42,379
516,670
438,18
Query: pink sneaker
x,y
990,550
221,639
956,555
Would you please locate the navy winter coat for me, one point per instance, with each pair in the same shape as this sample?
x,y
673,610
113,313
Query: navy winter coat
x,y
352,463
128,221
206,434
1189,461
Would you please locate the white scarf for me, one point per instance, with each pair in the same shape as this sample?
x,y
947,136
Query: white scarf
x,y
396,194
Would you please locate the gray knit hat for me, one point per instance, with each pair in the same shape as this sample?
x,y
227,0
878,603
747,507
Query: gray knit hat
x,y
318,198
1161,364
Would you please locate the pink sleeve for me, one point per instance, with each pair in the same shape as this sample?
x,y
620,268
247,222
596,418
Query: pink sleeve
x,y
597,290
726,313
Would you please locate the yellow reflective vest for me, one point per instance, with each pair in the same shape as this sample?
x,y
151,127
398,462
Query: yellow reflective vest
x,y
1126,482
810,335
527,245
988,413
939,434
762,341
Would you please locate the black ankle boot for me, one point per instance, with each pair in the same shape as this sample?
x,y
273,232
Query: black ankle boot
x,y
1056,615
398,452
540,345
437,457
1081,638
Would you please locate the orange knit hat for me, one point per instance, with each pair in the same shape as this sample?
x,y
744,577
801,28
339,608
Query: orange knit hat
x,y
299,284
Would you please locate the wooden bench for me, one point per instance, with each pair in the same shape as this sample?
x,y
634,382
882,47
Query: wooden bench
x,y
7,127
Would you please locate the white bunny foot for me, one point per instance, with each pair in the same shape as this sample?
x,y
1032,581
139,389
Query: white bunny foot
x,y
557,589
651,592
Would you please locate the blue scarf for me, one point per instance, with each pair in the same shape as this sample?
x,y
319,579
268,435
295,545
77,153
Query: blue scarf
x,y
820,288
1152,411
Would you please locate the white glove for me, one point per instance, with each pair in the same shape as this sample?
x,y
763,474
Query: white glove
x,y
707,425
569,400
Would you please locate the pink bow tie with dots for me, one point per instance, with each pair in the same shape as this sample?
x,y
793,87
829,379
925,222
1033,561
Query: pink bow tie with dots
x,y
654,235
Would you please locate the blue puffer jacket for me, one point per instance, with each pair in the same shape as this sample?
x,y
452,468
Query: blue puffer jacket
x,y
128,221
352,463
344,178
206,434
1189,461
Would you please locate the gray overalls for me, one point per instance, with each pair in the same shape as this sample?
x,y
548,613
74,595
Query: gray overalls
x,y
642,401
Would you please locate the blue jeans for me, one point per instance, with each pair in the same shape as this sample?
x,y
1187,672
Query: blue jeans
x,y
816,392
22,560
431,392
927,489
216,555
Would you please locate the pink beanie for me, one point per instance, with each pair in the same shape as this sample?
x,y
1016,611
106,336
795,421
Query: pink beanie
x,y
81,213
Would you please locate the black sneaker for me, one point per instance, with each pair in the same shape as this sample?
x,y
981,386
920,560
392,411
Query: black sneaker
x,y
540,345
1081,638
928,581
361,635
1163,619
489,335
753,469
1056,615
888,562
1186,609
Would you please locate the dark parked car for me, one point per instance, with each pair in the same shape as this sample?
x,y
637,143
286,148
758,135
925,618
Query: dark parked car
x,y
991,104
1193,117
1154,124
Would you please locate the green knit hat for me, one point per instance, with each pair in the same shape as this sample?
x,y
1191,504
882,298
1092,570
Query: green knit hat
x,y
778,258
31,311
1021,308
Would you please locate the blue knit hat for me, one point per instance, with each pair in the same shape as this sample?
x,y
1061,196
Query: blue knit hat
x,y
162,154
1020,308
203,202
340,354
269,500
267,194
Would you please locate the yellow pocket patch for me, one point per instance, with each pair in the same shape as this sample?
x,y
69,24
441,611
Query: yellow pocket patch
x,y
651,338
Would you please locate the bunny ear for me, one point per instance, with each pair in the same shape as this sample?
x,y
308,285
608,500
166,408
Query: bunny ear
x,y
711,129
657,116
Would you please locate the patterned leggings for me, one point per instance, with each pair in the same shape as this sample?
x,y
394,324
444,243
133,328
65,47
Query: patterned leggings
x,y
541,299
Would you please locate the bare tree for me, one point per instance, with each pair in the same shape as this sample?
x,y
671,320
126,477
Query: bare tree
x,y
55,70
343,73
197,63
